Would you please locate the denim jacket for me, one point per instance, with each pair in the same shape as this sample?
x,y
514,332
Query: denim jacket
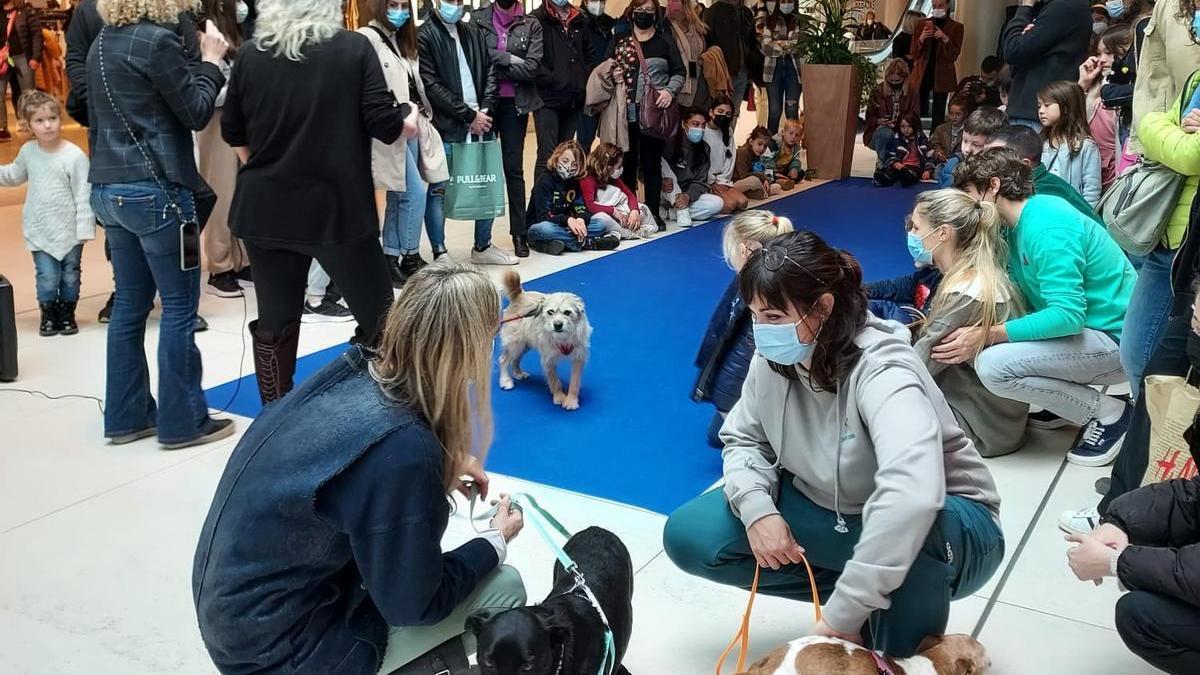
x,y
162,95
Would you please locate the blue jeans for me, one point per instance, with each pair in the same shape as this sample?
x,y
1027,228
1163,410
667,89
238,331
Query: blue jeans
x,y
546,231
880,141
57,279
783,93
435,214
1146,316
143,234
961,552
405,210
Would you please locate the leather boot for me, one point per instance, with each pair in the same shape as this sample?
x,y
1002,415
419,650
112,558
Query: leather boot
x,y
448,658
520,246
66,318
274,361
49,324
412,263
398,276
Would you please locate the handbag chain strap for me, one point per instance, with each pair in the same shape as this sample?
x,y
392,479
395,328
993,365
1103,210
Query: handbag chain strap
x,y
172,203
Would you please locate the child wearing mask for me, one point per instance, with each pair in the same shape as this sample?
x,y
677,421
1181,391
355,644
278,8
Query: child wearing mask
x,y
718,134
749,165
686,173
610,201
1070,152
908,156
557,212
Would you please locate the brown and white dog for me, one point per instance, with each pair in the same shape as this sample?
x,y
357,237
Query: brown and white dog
x,y
941,655
553,324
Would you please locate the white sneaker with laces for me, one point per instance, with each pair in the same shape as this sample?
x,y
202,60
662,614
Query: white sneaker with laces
x,y
492,256
1082,521
683,217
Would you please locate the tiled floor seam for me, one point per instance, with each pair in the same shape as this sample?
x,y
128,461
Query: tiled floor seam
x,y
1056,616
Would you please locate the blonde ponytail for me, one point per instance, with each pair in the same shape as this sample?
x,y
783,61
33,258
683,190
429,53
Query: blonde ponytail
x,y
982,260
758,226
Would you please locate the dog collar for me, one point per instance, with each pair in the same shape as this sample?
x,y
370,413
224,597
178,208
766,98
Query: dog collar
x,y
566,349
562,659
881,664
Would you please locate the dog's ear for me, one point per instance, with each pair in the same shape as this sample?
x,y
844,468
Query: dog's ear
x,y
476,621
929,643
964,667
558,630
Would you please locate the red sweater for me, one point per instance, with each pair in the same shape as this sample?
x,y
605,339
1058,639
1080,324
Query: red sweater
x,y
589,187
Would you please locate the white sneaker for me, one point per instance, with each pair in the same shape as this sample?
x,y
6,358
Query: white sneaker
x,y
683,217
648,231
1082,521
492,256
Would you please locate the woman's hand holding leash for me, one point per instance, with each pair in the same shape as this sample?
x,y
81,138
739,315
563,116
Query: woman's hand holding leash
x,y
772,543
471,477
509,519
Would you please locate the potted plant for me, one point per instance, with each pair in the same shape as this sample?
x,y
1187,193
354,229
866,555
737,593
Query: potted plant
x,y
836,81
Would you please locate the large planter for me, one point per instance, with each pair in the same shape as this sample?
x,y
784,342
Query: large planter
x,y
830,118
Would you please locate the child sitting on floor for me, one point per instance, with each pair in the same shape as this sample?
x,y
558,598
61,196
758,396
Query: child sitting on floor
x,y
557,215
610,201
908,156
749,164
718,136
57,217
685,165
787,148
947,138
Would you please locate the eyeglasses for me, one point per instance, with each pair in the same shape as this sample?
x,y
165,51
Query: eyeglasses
x,y
775,256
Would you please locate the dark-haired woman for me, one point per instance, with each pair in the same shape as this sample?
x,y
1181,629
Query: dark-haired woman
x,y
666,74
842,442
686,174
777,37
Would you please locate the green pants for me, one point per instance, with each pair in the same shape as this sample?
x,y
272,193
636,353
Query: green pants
x,y
962,551
502,589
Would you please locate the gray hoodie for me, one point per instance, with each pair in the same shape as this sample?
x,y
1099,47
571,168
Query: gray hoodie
x,y
901,453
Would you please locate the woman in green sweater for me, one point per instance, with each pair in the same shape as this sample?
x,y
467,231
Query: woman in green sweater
x,y
1077,284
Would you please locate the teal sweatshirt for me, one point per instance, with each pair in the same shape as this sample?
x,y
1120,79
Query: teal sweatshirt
x,y
1071,273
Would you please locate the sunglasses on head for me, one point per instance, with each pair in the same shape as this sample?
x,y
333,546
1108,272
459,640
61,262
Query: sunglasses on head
x,y
774,258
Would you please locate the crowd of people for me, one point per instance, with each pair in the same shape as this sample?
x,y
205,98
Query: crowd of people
x,y
1022,306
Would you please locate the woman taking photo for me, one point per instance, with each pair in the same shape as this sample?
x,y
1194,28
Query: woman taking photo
x,y
295,202
147,97
841,442
405,168
961,237
326,527
666,74
780,71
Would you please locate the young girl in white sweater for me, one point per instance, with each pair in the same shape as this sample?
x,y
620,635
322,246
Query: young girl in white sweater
x,y
57,217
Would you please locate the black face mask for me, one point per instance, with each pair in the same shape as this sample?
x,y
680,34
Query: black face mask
x,y
644,20
506,4
722,121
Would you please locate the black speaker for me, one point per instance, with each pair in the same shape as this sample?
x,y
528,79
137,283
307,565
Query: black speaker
x,y
8,332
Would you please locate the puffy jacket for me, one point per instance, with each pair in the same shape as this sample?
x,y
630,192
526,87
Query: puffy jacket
x,y
898,150
914,290
1163,524
522,56
725,353
438,56
562,77
1164,141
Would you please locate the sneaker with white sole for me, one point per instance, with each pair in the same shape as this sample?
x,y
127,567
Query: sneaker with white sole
x,y
1082,521
1099,444
1044,419
326,312
683,218
224,285
648,231
492,256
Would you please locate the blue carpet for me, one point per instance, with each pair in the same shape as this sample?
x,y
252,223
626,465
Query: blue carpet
x,y
638,438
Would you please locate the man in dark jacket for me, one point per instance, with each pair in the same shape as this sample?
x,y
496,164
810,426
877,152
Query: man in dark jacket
x,y
1150,541
598,29
736,38
562,78
1045,41
24,42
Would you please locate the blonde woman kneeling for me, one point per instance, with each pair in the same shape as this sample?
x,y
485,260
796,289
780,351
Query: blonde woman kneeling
x,y
961,237
327,523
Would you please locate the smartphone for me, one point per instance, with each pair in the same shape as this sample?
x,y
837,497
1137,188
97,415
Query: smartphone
x,y
189,245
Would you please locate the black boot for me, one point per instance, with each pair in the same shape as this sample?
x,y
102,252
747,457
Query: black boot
x,y
66,318
412,263
398,276
49,323
274,361
520,246
448,658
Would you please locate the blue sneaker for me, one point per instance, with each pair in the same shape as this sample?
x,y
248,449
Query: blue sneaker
x,y
1099,444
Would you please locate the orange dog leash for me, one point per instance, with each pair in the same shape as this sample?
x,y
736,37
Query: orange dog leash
x,y
743,634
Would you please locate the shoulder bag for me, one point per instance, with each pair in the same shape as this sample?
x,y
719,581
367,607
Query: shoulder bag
x,y
652,120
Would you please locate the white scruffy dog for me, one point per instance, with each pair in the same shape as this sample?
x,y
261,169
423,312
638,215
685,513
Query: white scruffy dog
x,y
555,325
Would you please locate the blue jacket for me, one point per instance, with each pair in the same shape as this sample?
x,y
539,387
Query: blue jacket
x,y
326,527
890,297
726,352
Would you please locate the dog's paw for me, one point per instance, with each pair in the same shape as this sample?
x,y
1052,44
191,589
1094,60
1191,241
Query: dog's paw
x,y
570,403
506,384
560,398
521,375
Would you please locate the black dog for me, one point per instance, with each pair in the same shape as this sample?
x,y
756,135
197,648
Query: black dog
x,y
564,635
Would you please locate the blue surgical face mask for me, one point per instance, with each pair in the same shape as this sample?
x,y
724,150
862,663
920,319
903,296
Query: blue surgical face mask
x,y
450,13
695,134
1115,8
781,344
1196,24
916,248
242,12
560,3
398,17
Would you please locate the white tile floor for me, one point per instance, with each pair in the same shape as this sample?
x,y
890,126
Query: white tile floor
x,y
96,543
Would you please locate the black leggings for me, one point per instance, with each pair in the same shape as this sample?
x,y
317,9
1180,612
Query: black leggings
x,y
890,176
645,152
281,276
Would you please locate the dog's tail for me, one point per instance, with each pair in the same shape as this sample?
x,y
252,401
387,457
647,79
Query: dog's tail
x,y
512,285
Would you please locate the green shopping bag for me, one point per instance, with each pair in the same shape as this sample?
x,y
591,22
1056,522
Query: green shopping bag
x,y
475,190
